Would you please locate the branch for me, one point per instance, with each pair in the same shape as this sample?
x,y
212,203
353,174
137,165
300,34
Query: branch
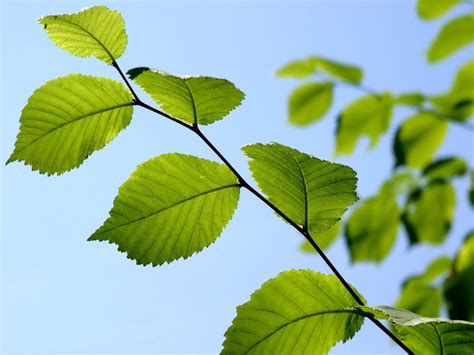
x,y
302,230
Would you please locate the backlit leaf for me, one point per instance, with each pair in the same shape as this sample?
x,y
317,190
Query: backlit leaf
x,y
69,118
95,31
429,213
431,9
455,35
445,168
410,99
298,69
368,116
420,294
193,99
428,336
459,286
297,312
418,138
309,102
312,192
171,207
372,228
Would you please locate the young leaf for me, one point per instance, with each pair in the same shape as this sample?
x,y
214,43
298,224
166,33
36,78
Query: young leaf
x,y
200,99
399,183
306,67
455,35
368,116
458,103
69,118
298,68
372,228
419,294
428,336
429,9
410,99
346,72
324,239
297,312
93,32
312,192
418,138
459,288
171,207
445,168
310,102
429,213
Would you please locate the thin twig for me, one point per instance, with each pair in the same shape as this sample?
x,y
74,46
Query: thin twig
x,y
302,230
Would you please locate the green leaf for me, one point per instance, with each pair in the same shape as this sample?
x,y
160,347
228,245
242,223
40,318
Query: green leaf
x,y
455,35
93,32
419,295
420,298
306,67
418,138
298,69
309,102
346,72
199,99
312,192
69,118
428,335
429,213
459,288
297,312
458,103
324,239
372,228
399,183
431,9
368,116
171,207
445,168
414,99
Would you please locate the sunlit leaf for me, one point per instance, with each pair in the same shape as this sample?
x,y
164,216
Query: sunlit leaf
x,y
368,116
301,68
431,9
429,213
312,64
459,287
199,99
95,31
324,239
471,190
445,168
171,207
69,118
418,139
346,72
420,294
312,192
297,312
309,102
458,103
399,183
455,35
410,99
372,228
428,336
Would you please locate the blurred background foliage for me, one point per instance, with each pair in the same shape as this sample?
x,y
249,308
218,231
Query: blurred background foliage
x,y
419,196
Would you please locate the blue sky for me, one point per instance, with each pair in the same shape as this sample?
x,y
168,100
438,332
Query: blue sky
x,y
63,294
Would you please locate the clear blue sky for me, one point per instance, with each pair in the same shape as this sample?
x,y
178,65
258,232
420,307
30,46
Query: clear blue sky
x,y
63,294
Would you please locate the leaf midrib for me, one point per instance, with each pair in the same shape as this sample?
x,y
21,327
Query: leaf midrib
x,y
164,209
110,108
353,311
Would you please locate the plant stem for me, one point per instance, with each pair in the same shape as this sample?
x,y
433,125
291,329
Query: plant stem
x,y
243,183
